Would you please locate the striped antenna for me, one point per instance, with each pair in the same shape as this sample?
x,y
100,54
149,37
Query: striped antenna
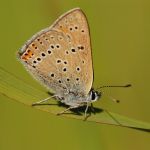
x,y
109,86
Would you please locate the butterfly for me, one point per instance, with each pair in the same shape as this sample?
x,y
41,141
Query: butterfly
x,y
60,57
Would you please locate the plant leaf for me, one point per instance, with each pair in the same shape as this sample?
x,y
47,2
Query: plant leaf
x,y
16,89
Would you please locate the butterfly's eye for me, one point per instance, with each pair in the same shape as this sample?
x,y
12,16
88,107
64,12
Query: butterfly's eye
x,y
95,95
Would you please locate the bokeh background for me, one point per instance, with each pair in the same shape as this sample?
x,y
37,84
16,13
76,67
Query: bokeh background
x,y
120,32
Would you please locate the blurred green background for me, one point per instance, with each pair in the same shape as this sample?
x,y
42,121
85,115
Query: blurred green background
x,y
120,32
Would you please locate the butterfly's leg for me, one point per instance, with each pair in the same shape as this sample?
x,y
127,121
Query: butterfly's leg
x,y
44,100
86,109
71,107
92,108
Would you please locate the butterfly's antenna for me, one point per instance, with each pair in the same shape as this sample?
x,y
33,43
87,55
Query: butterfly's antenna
x,y
108,86
113,99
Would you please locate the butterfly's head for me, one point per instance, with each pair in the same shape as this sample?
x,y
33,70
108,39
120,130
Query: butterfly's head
x,y
95,95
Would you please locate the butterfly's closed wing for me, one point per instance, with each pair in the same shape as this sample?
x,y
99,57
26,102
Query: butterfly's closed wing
x,y
60,56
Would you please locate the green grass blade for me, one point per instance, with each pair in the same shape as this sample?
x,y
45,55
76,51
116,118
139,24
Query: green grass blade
x,y
16,89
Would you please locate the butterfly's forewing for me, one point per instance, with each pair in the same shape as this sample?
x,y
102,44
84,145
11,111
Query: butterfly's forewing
x,y
75,26
60,56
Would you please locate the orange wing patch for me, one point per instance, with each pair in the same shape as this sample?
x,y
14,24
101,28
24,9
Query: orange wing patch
x,y
28,54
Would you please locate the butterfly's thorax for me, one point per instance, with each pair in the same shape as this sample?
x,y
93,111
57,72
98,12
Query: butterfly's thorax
x,y
73,99
78,99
